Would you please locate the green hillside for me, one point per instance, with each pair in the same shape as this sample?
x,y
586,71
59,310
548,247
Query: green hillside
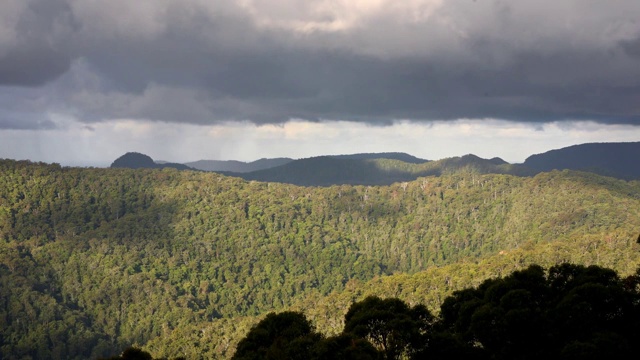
x,y
184,263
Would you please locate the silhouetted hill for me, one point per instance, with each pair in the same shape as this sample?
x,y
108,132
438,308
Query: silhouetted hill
x,y
367,169
134,160
237,166
388,155
618,160
497,161
326,171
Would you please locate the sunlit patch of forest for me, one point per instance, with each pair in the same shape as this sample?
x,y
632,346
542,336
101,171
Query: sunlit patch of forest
x,y
183,263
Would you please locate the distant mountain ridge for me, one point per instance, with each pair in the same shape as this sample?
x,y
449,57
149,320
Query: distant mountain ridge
x,y
385,155
619,160
237,166
369,170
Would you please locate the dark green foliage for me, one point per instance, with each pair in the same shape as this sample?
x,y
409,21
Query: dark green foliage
x,y
571,312
344,346
389,324
287,335
134,353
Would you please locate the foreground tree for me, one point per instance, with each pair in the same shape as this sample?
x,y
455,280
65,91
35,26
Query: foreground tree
x,y
287,335
396,329
345,347
572,312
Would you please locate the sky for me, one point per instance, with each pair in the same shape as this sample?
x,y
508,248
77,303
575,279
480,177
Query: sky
x,y
84,81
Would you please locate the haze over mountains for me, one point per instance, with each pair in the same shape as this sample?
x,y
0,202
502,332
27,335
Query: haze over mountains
x,y
610,159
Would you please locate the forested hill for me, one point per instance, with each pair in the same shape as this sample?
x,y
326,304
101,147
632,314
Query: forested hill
x,y
134,160
362,170
619,160
233,166
183,263
388,155
237,166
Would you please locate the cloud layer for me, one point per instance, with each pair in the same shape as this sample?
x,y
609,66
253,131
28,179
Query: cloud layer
x,y
270,61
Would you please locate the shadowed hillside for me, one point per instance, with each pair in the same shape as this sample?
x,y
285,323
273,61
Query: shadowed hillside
x,y
618,160
389,155
233,166
134,160
369,170
237,166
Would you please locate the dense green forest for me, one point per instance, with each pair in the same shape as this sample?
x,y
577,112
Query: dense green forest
x,y
184,263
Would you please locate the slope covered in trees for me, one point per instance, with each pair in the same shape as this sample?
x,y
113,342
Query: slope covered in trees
x,y
184,263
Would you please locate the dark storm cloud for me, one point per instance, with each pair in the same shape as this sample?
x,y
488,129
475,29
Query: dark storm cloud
x,y
32,66
35,50
632,47
200,62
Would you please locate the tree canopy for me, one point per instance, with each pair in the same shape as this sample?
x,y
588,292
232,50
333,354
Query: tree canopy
x,y
569,312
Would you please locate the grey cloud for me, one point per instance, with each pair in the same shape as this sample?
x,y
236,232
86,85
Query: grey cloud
x,y
32,66
202,62
23,108
39,52
632,47
25,121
